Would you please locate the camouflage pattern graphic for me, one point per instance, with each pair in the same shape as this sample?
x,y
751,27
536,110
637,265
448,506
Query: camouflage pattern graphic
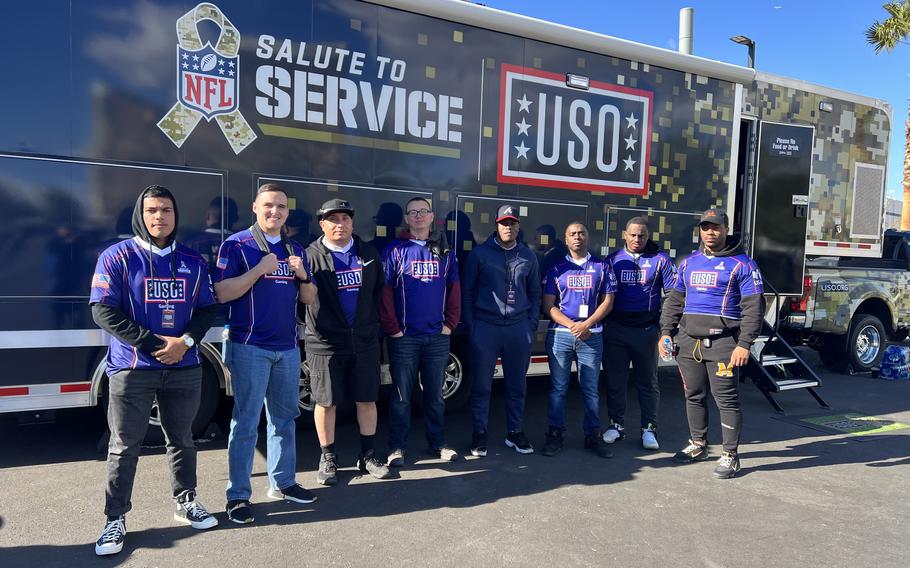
x,y
851,134
180,121
839,293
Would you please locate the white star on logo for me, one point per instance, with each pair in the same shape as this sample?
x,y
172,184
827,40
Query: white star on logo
x,y
185,56
231,73
186,65
221,62
522,150
221,71
522,127
195,58
631,120
231,64
630,142
195,68
629,162
523,103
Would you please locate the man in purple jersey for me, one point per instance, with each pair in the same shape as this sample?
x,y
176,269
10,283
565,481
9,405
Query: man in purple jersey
x,y
262,275
342,337
642,273
421,305
717,304
577,295
154,298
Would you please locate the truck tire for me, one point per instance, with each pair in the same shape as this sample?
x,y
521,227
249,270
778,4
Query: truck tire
x,y
865,343
456,386
344,412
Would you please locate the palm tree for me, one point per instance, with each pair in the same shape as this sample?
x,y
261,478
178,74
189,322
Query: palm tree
x,y
887,35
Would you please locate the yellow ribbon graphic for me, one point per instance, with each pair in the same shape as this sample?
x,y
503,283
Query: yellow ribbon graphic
x,y
180,121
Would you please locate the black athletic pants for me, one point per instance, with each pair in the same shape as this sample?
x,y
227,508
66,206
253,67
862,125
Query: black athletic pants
x,y
703,369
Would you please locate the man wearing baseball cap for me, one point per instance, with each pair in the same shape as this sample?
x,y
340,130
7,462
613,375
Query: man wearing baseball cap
x,y
501,306
342,335
717,304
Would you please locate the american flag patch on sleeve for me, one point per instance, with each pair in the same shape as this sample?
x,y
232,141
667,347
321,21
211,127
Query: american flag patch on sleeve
x,y
222,262
102,281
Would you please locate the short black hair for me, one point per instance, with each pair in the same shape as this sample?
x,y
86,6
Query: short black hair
x,y
271,186
158,191
639,220
413,199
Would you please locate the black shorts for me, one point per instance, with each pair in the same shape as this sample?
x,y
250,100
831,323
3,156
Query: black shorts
x,y
336,378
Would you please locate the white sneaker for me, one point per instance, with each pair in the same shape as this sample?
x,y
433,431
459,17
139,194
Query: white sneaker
x,y
111,539
614,433
192,512
648,439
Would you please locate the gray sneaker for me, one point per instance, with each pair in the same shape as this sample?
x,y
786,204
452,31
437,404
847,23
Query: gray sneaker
x,y
396,458
445,453
327,472
370,464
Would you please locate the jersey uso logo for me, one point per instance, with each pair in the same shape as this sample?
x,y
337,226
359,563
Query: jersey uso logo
x,y
165,290
425,268
702,279
348,279
283,272
632,276
579,281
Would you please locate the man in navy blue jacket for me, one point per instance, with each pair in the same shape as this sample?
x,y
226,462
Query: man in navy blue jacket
x,y
501,305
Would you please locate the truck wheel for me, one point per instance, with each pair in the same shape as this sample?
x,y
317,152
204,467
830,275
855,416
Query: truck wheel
x,y
344,412
456,385
865,343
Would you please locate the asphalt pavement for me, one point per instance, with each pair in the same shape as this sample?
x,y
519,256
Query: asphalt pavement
x,y
805,497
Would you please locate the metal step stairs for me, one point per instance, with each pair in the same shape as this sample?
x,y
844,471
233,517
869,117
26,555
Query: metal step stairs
x,y
775,367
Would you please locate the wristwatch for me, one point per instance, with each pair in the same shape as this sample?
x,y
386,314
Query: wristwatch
x,y
188,340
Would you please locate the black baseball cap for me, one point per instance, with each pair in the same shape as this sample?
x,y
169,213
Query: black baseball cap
x,y
335,206
716,216
507,212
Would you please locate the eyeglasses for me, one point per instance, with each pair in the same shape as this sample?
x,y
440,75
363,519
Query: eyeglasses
x,y
419,212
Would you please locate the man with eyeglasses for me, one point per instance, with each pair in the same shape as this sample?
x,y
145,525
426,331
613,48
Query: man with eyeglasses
x,y
421,305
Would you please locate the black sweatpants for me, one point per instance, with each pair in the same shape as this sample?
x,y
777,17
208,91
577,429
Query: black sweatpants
x,y
703,369
638,345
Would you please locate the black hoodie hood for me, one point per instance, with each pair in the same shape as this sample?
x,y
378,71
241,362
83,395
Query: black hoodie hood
x,y
732,247
139,228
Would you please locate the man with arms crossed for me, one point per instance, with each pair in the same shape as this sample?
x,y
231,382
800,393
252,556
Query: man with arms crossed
x,y
261,276
342,339
421,305
154,298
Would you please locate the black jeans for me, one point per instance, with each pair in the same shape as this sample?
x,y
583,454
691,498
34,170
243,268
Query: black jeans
x,y
637,345
703,369
130,399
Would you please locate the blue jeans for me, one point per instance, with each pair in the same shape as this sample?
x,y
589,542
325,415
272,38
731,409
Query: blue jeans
x,y
564,348
488,340
429,355
260,375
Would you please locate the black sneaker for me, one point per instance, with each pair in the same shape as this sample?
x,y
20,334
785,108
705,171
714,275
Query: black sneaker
x,y
294,493
193,513
327,472
614,433
553,443
112,537
479,444
370,464
727,466
519,442
597,445
691,453
239,511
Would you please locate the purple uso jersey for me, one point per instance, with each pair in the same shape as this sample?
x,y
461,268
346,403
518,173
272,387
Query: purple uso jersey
x,y
578,287
160,297
640,280
419,280
349,276
714,285
265,316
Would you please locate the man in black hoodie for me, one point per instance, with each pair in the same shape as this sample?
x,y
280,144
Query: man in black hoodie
x,y
717,304
154,298
342,335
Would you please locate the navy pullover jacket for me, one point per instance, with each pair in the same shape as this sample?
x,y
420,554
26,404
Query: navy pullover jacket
x,y
485,284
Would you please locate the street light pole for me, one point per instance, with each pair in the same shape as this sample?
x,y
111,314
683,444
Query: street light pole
x,y
743,40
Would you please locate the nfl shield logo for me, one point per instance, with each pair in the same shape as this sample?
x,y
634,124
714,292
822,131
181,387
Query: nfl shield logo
x,y
208,80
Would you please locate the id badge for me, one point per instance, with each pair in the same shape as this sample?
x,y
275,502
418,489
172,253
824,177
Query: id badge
x,y
167,318
510,297
583,311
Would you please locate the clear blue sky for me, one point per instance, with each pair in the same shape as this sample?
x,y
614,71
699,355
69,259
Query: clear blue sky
x,y
818,41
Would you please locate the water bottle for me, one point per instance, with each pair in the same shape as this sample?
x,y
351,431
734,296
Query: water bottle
x,y
666,347
225,336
